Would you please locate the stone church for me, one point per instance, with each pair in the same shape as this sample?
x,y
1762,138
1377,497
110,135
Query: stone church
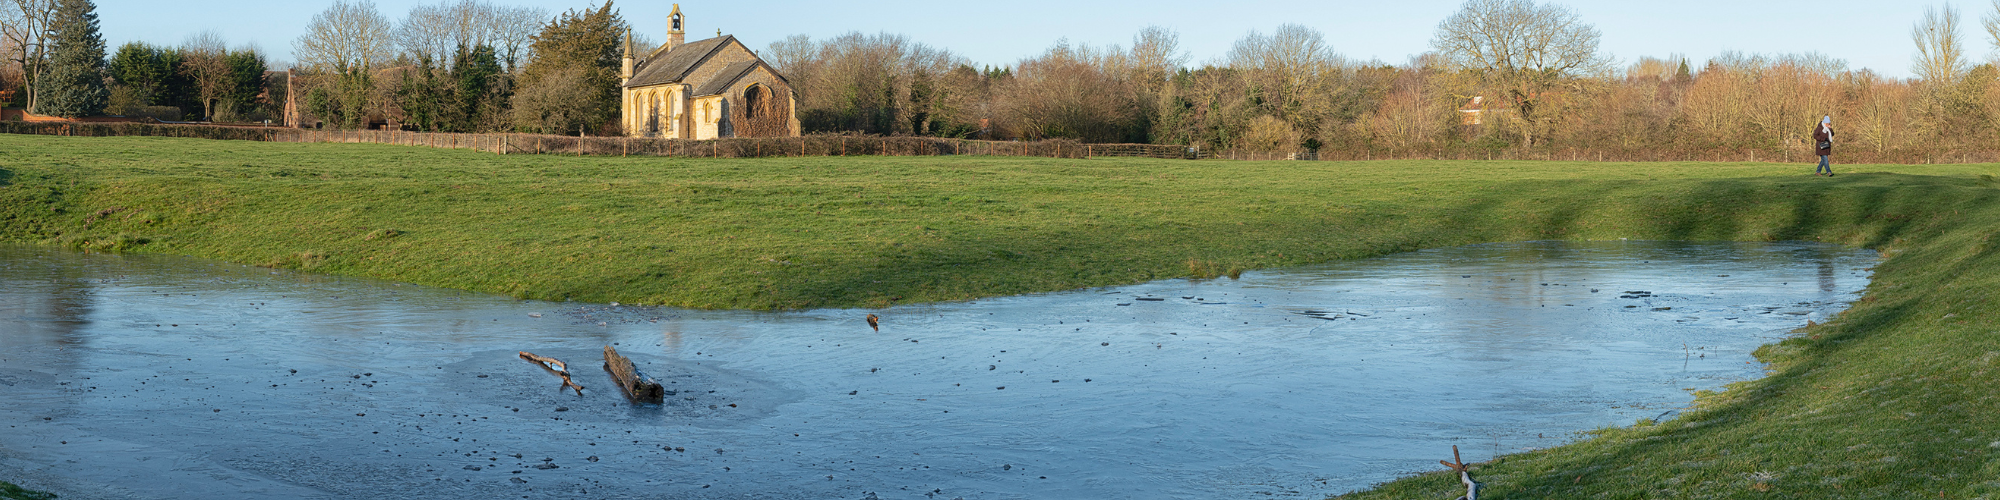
x,y
704,90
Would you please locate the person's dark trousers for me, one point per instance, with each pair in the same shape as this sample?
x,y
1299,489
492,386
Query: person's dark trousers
x,y
1823,167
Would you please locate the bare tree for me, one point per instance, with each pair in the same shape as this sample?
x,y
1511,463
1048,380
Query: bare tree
x,y
1159,48
25,26
1526,49
1292,70
1940,55
1067,92
10,73
1292,48
881,83
1518,36
1757,64
789,54
427,32
1992,23
437,32
553,105
1656,68
346,36
1156,54
513,28
204,60
473,23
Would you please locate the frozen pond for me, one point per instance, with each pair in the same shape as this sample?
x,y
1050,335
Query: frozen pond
x,y
165,377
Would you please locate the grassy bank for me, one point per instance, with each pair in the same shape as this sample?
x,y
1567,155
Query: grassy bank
x,y
8,491
1892,398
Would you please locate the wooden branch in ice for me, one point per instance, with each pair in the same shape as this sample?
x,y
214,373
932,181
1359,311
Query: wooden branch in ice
x,y
637,386
554,366
1464,475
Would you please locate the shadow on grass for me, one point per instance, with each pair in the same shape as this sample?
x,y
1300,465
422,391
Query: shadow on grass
x,y
1864,210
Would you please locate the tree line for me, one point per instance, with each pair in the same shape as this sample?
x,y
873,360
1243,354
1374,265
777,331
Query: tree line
x,y
1500,75
58,65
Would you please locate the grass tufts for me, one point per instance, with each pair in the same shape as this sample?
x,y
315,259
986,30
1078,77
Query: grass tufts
x,y
1202,269
304,261
117,243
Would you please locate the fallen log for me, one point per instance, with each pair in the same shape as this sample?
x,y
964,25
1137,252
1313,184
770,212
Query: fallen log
x,y
637,386
1464,475
556,367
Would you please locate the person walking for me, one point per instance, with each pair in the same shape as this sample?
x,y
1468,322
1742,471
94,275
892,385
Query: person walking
x,y
1823,145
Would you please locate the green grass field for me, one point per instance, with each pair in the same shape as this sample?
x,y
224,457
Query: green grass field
x,y
1892,400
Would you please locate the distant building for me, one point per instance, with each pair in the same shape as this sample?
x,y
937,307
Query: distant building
x,y
1474,111
703,90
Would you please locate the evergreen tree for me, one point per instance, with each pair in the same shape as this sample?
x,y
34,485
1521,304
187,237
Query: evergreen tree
x,y
246,82
143,68
418,93
74,85
480,92
572,84
150,75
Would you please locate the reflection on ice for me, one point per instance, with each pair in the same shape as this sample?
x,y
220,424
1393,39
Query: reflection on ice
x,y
180,378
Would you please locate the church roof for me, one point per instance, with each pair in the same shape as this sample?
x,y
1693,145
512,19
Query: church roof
x,y
678,62
729,75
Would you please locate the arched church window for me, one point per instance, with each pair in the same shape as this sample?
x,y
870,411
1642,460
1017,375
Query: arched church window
x,y
753,100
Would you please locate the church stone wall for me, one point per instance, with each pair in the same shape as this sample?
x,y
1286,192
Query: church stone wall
x,y
774,116
652,111
710,116
726,55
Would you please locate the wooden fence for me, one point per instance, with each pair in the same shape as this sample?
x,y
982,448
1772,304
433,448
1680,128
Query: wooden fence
x,y
1144,151
748,147
856,145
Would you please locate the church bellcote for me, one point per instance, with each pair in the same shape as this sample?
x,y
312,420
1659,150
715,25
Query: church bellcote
x,y
677,31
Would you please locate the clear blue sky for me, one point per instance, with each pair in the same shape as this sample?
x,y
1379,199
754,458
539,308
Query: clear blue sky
x,y
1866,33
